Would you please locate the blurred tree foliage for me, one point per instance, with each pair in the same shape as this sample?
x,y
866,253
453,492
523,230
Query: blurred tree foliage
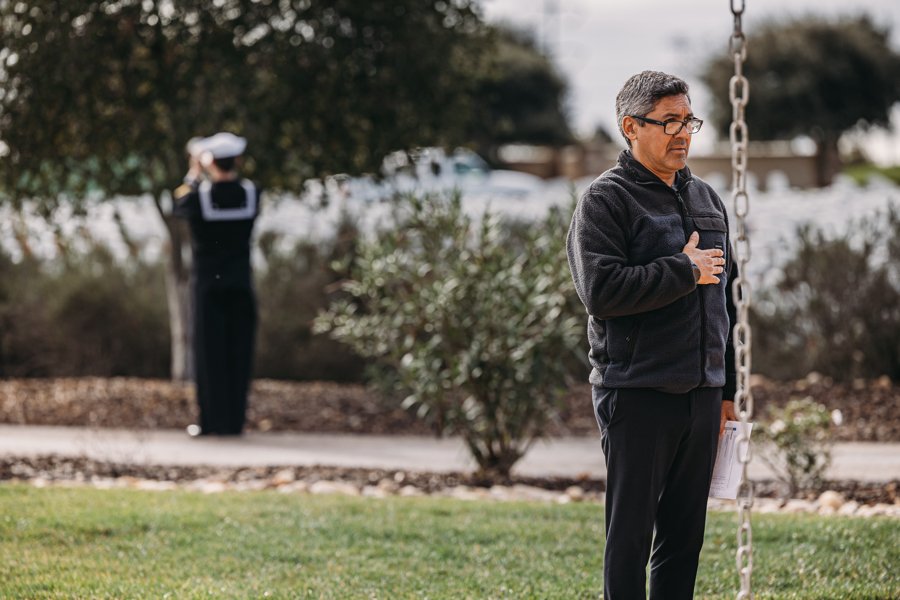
x,y
835,306
812,77
100,96
474,319
519,96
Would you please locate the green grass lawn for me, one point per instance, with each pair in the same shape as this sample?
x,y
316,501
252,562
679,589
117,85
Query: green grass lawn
x,y
86,543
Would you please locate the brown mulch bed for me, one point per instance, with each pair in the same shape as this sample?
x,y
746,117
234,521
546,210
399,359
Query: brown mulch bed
x,y
869,408
159,404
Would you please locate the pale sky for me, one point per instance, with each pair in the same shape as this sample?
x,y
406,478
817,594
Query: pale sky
x,y
600,43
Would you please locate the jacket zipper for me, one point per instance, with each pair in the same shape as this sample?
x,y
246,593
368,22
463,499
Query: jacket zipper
x,y
684,214
631,340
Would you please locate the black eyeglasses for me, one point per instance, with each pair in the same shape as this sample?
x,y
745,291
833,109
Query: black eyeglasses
x,y
674,127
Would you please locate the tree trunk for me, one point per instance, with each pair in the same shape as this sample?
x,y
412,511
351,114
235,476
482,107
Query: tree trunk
x,y
178,296
828,160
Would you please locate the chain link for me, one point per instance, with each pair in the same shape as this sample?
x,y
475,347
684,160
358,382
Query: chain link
x,y
739,94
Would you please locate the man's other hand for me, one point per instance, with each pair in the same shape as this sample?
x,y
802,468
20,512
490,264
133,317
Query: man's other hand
x,y
727,415
710,262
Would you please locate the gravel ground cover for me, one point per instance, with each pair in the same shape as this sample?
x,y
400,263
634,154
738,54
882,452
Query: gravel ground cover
x,y
840,497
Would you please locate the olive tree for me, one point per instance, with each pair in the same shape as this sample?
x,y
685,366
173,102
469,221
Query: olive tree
x,y
812,77
520,96
474,319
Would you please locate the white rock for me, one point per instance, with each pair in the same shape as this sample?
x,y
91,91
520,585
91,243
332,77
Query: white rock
x,y
156,486
283,477
253,485
831,499
865,511
70,484
798,506
881,509
464,492
575,493
374,491
530,492
298,487
411,491
502,492
213,487
197,484
389,485
848,508
564,499
104,483
334,487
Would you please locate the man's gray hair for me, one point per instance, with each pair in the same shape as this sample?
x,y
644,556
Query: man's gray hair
x,y
641,93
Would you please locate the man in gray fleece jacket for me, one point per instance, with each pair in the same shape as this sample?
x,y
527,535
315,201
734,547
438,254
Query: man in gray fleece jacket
x,y
650,255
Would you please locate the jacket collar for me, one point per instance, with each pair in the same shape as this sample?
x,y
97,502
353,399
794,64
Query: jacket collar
x,y
645,176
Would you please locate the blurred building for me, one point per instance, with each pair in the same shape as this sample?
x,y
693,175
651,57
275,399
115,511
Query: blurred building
x,y
770,163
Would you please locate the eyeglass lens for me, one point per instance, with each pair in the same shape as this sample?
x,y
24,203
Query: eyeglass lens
x,y
674,127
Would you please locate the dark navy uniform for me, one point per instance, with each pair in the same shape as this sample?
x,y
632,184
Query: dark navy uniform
x,y
221,217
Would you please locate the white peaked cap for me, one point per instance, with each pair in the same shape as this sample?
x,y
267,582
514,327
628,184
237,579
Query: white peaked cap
x,y
221,145
193,146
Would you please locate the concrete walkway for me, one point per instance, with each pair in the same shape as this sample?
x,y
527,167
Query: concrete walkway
x,y
566,457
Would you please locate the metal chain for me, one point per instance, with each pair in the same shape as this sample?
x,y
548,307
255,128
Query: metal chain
x,y
739,93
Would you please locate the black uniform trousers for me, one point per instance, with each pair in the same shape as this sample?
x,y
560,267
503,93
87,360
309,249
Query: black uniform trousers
x,y
224,335
660,450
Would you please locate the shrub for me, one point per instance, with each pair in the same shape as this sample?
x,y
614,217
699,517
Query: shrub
x,y
835,307
796,444
87,312
25,327
292,288
110,318
82,314
474,322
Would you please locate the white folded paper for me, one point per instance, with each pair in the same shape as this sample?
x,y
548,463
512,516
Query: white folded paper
x,y
727,472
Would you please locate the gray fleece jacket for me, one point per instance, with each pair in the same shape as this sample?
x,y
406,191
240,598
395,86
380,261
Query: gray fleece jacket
x,y
649,324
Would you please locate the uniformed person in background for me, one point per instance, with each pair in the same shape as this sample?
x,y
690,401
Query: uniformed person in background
x,y
221,208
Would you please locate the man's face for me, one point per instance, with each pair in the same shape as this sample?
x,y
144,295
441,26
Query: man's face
x,y
652,146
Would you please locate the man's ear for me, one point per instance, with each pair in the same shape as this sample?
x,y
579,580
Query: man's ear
x,y
629,127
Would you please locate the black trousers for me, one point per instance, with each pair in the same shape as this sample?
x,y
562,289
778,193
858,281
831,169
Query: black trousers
x,y
660,450
224,335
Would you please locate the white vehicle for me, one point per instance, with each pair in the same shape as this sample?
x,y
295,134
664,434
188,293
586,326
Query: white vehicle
x,y
431,170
